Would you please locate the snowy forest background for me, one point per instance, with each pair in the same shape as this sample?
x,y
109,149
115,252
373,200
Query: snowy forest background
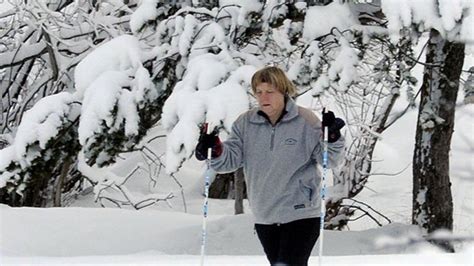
x,y
102,103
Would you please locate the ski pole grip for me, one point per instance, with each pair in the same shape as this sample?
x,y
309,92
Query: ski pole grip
x,y
325,128
208,131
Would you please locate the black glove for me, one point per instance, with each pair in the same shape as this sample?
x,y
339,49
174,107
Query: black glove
x,y
333,124
207,141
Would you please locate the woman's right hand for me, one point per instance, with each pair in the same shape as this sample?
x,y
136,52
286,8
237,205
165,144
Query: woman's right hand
x,y
208,141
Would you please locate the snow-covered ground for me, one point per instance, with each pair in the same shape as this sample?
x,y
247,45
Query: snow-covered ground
x,y
102,236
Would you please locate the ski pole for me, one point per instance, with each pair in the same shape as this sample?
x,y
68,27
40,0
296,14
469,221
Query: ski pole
x,y
323,190
206,199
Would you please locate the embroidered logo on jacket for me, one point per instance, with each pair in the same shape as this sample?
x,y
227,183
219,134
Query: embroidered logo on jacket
x,y
290,141
299,206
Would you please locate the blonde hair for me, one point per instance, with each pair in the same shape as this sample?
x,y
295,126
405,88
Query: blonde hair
x,y
276,77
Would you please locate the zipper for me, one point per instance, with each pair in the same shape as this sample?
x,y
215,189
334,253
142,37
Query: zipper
x,y
272,139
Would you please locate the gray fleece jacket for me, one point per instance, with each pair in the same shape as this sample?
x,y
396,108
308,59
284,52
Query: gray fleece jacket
x,y
283,182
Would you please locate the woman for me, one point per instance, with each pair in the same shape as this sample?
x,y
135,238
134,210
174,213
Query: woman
x,y
279,145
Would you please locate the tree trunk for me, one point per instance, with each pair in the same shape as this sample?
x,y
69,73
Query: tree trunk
x,y
432,199
60,183
230,186
221,187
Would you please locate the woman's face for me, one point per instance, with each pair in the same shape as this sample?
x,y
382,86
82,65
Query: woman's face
x,y
270,100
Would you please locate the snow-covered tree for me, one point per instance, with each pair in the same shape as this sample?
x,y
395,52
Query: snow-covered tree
x,y
450,26
121,87
41,43
204,59
432,198
340,59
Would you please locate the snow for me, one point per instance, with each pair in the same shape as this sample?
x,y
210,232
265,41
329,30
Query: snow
x,y
317,22
205,72
427,13
274,9
146,11
112,83
97,174
281,35
150,258
343,69
7,157
203,96
21,53
247,6
143,87
120,54
461,168
42,122
186,36
39,124
451,13
93,235
212,34
99,100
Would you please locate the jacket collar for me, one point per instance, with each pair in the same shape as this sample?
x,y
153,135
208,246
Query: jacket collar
x,y
290,112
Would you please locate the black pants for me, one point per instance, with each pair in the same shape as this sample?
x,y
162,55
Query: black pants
x,y
290,243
